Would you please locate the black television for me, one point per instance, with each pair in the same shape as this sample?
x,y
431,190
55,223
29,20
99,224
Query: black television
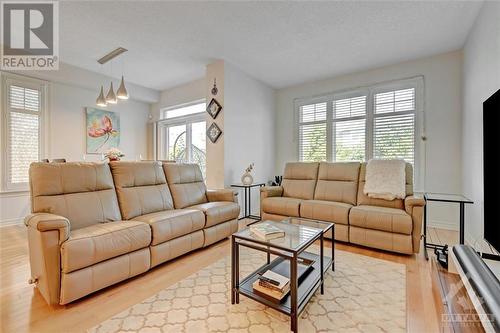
x,y
491,172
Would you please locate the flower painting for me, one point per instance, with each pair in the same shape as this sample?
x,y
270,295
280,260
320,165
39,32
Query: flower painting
x,y
103,130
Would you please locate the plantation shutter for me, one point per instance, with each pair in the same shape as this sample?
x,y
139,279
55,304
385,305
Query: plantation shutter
x,y
23,115
312,132
394,125
348,130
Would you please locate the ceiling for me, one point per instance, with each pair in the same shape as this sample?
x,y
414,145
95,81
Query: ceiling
x,y
279,43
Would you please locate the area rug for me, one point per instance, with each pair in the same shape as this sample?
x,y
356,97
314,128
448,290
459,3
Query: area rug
x,y
364,294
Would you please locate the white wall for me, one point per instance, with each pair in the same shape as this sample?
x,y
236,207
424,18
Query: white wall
x,y
248,129
481,79
443,103
66,135
186,93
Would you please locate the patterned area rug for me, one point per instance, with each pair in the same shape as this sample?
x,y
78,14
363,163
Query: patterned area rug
x,y
362,295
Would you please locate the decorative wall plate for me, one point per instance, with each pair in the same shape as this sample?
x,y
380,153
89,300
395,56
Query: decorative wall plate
x,y
214,132
214,108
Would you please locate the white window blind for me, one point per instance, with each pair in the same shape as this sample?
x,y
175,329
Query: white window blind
x,y
23,115
379,121
394,125
312,132
349,127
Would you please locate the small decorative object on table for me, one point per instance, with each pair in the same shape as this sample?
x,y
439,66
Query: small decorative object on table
x,y
247,178
266,231
113,154
277,181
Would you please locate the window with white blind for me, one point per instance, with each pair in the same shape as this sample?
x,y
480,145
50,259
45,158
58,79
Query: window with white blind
x,y
23,113
380,121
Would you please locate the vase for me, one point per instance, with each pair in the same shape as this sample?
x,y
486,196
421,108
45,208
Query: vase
x,y
112,159
247,178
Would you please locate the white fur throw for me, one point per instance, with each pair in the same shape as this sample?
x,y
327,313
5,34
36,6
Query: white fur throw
x,y
386,179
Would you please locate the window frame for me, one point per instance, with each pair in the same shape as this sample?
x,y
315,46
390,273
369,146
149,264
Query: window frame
x,y
370,91
162,125
7,80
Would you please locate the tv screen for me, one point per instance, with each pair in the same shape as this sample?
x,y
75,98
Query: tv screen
x,y
491,177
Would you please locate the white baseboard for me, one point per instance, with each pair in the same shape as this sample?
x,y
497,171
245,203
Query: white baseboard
x,y
442,225
10,222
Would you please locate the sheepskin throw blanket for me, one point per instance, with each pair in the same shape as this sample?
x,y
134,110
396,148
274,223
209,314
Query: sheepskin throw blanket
x,y
385,179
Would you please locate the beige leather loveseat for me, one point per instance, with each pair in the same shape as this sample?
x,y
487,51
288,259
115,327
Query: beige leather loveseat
x,y
333,192
95,224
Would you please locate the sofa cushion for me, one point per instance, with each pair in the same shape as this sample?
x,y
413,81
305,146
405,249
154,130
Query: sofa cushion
x,y
141,188
90,245
170,224
218,211
186,184
299,180
381,218
281,206
337,212
337,182
81,192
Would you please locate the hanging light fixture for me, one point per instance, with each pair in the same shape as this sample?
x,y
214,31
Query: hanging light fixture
x,y
111,97
122,92
101,101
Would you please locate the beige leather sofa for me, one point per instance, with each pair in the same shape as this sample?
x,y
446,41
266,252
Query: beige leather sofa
x,y
333,192
93,224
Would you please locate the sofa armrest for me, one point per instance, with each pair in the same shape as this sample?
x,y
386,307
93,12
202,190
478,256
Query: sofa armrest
x,y
46,233
48,222
415,207
222,195
270,191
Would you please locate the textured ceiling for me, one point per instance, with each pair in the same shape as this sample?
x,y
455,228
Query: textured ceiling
x,y
280,43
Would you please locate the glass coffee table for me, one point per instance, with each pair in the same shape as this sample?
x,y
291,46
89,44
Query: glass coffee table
x,y
300,234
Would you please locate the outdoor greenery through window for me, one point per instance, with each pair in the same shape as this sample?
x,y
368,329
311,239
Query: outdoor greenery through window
x,y
374,122
181,135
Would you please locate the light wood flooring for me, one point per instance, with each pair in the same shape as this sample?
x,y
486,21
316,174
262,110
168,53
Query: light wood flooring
x,y
24,310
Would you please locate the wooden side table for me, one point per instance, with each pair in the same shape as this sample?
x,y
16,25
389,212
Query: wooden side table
x,y
247,210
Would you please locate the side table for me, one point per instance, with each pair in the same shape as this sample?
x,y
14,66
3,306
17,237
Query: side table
x,y
247,210
441,197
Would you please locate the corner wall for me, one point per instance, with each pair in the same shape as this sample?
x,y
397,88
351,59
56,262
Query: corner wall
x,y
248,130
481,72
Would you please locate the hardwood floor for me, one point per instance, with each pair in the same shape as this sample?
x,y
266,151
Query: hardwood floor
x,y
23,308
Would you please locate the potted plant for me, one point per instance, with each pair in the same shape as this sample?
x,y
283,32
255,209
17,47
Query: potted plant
x,y
113,154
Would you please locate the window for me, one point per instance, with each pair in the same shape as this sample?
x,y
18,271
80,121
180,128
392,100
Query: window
x,y
379,121
22,126
181,134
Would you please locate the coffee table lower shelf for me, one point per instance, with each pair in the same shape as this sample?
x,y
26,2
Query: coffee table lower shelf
x,y
306,288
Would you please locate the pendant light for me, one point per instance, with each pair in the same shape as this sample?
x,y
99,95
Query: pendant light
x,y
101,101
122,92
111,97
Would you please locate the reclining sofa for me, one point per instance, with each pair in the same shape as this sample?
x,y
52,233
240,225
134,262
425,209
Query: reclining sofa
x,y
96,224
333,192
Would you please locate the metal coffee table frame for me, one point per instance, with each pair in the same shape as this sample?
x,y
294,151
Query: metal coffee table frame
x,y
300,293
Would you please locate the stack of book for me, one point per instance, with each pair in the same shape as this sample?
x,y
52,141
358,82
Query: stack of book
x,y
272,286
266,231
